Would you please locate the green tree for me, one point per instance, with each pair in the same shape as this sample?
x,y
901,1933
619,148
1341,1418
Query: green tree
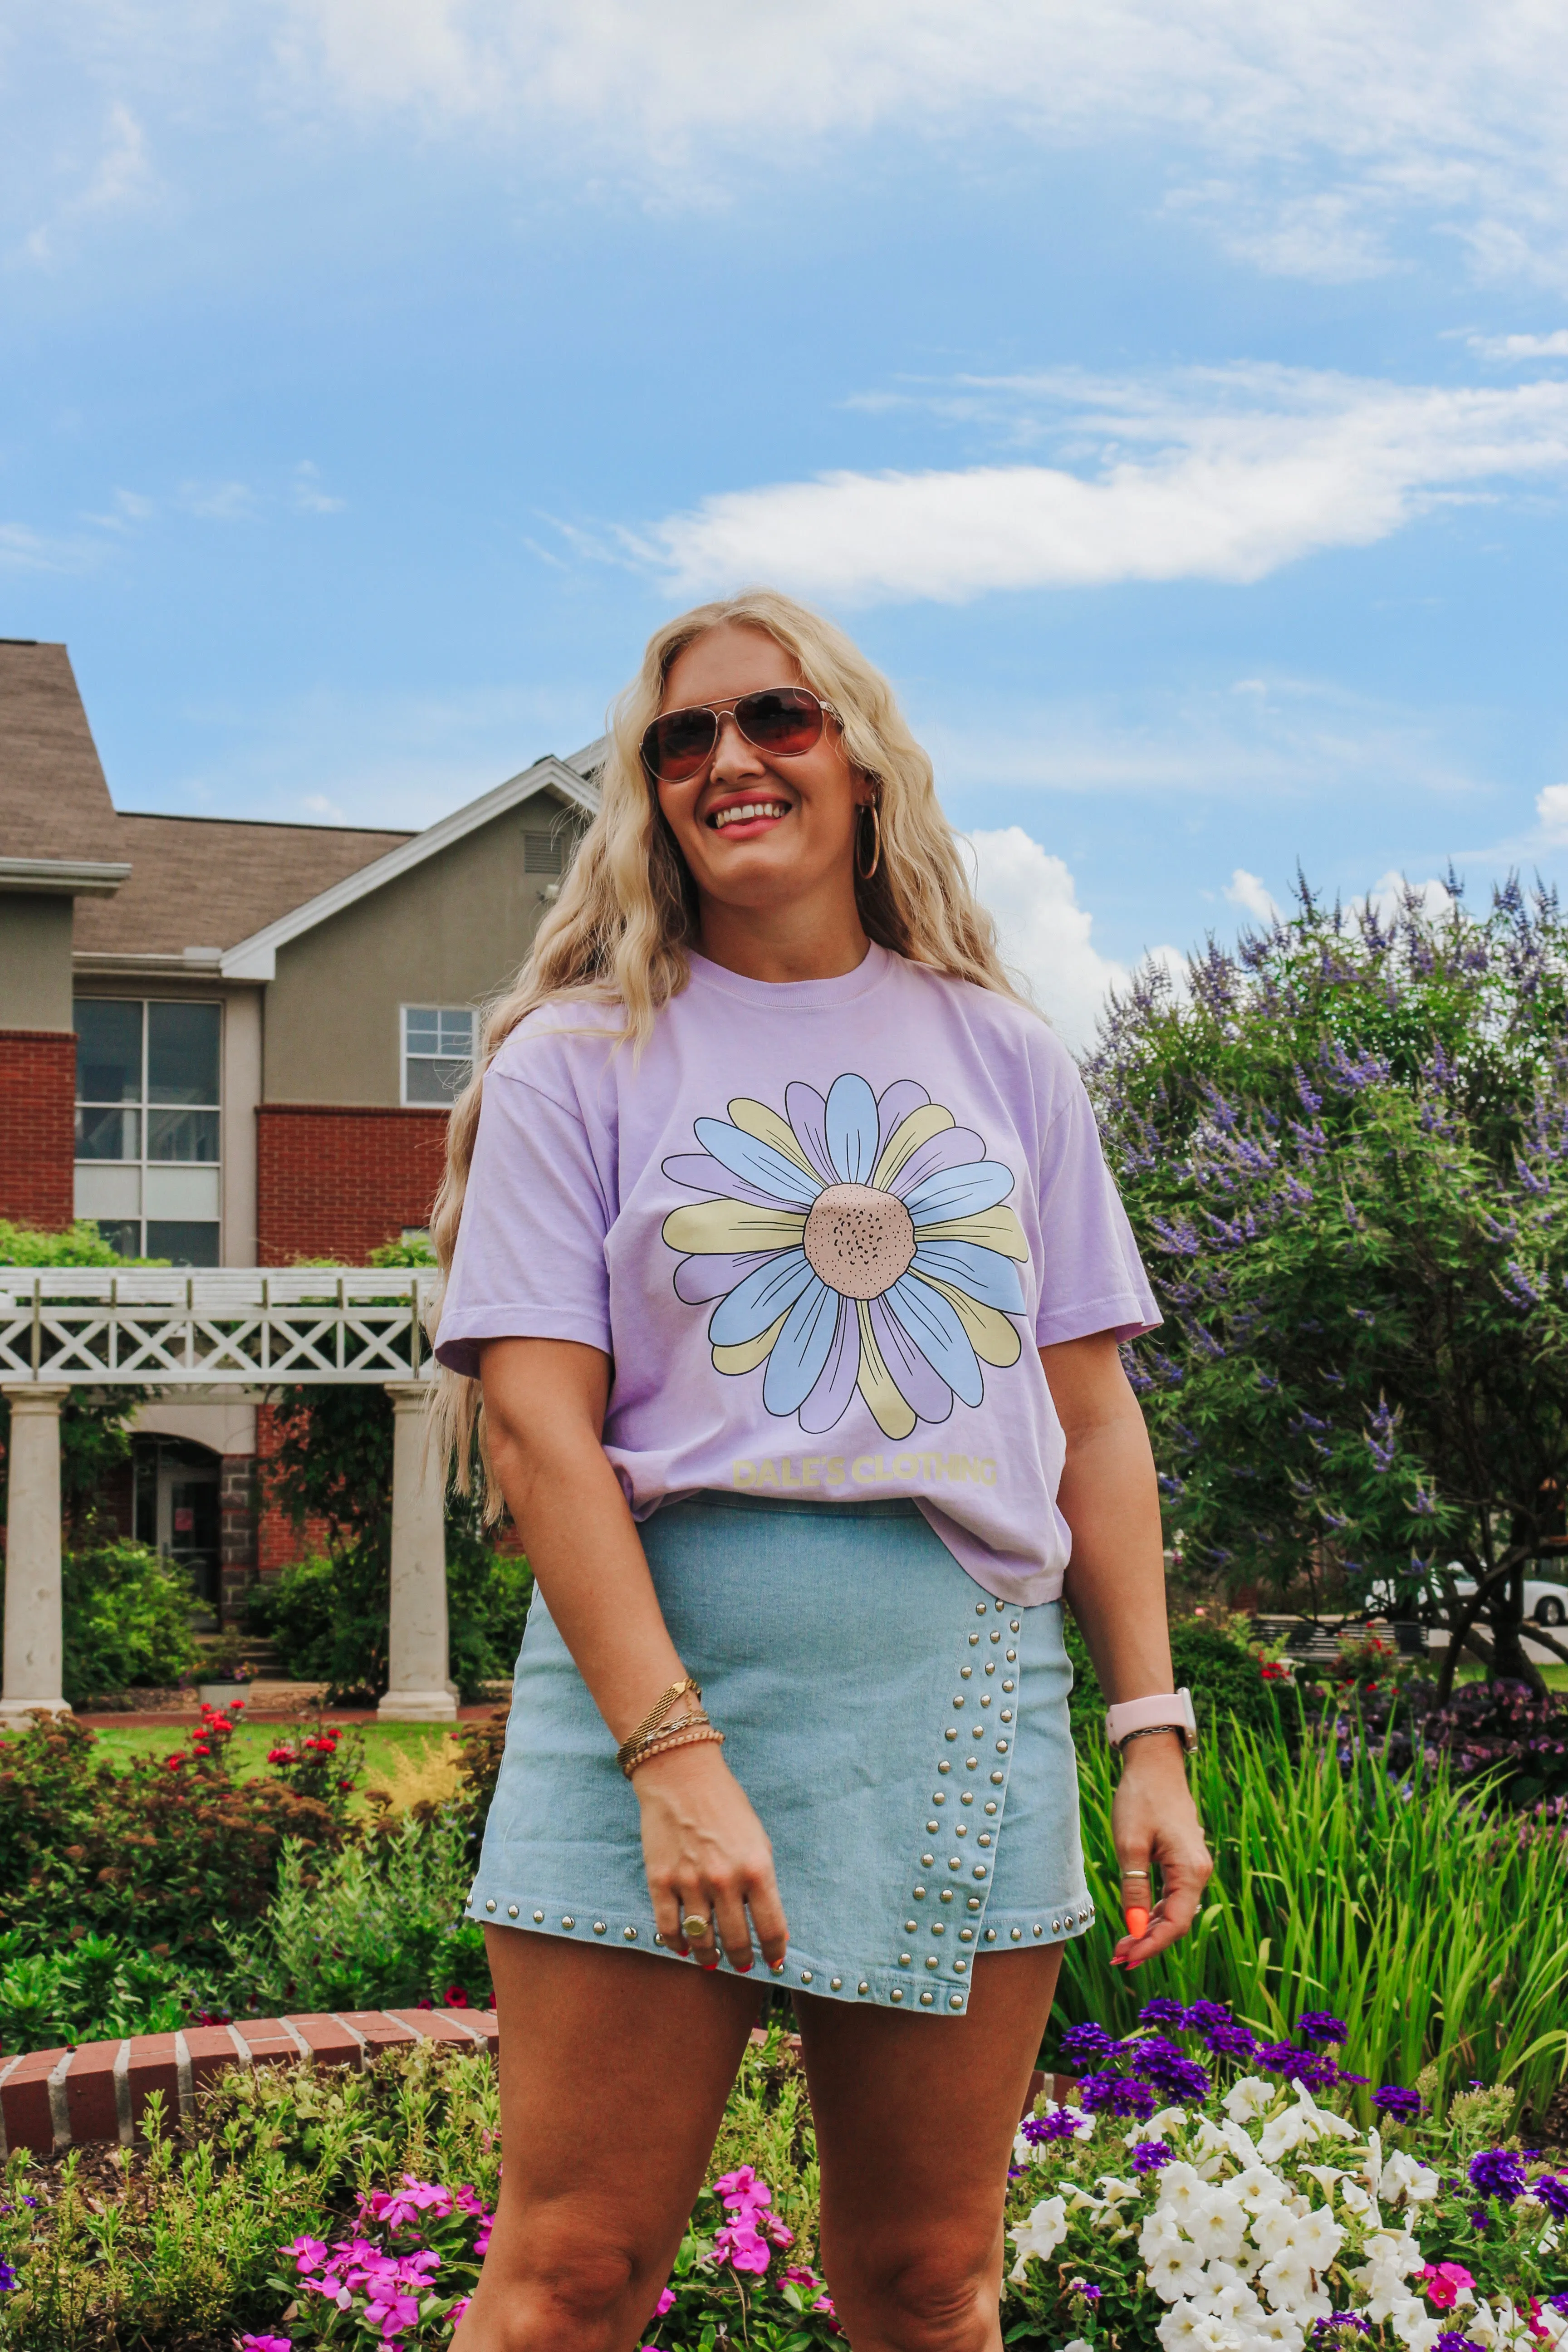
x,y
1344,1152
95,1423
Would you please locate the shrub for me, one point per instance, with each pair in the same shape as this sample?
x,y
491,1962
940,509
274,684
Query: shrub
x,y
1514,1739
93,1988
1223,1674
328,1617
162,1853
126,1618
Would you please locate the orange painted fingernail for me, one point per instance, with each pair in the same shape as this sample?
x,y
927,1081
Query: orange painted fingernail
x,y
777,1967
1137,1920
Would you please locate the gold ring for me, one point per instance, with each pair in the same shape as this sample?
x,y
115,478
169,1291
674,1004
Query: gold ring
x,y
1134,1874
691,1927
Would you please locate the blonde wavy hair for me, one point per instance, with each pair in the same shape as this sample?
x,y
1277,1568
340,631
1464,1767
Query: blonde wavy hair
x,y
621,933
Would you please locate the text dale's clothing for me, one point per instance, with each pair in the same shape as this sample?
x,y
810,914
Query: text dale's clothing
x,y
821,1228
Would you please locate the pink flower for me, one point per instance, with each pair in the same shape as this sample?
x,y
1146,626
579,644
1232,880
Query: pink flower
x,y
396,2208
265,2344
309,2253
458,2308
666,2303
743,2189
1443,2282
742,2246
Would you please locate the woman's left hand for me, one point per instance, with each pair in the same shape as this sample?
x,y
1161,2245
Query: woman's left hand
x,y
1155,1825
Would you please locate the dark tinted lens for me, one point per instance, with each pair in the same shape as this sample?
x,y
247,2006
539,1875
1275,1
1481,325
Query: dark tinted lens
x,y
784,718
676,745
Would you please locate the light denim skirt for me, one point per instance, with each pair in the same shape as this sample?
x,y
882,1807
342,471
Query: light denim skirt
x,y
903,1737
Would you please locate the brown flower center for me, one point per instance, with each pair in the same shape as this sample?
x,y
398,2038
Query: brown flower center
x,y
858,1240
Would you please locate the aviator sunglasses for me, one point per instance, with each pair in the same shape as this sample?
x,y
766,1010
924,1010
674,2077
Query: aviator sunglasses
x,y
783,721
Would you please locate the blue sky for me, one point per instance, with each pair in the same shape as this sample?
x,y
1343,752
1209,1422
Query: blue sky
x,y
1171,394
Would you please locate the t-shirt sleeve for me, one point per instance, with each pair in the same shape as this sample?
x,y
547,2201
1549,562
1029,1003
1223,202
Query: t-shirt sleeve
x,y
530,1260
1091,1278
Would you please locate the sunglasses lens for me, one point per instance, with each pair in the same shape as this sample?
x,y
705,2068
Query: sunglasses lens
x,y
676,745
786,720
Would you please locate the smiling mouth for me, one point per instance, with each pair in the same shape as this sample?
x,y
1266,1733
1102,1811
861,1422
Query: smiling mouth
x,y
747,813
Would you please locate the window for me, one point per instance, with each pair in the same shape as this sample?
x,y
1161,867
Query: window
x,y
437,1051
147,1091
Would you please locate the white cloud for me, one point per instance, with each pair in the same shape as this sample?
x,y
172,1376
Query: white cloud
x,y
1388,894
122,177
1554,346
1221,475
1248,891
1332,118
1045,933
1552,810
218,501
309,497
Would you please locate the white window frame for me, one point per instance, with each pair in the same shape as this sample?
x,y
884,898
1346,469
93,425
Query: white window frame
x,y
144,1108
468,1013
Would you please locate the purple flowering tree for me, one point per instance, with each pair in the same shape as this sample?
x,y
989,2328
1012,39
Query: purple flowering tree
x,y
1344,1151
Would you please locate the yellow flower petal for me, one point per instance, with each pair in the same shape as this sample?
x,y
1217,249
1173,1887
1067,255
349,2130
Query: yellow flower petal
x,y
996,1229
907,1139
715,1228
993,1339
753,1353
891,1414
756,1118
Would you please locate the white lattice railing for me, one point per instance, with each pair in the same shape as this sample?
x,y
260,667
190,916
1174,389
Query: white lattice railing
x,y
232,1327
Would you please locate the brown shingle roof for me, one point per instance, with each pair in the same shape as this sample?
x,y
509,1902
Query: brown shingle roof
x,y
207,882
54,802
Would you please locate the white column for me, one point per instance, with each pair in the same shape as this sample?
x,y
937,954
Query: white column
x,y
419,1687
34,1653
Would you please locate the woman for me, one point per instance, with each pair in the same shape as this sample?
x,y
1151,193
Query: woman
x,y
783,1254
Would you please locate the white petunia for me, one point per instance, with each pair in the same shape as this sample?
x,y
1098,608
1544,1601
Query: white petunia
x,y
1280,2329
1218,2226
1305,2121
1325,2175
1225,2139
1227,2296
1117,2191
1257,2187
1287,2278
1183,2190
1178,2330
1416,2327
1173,2269
1321,2237
1249,2097
1404,2179
1356,2200
1169,2119
1039,2235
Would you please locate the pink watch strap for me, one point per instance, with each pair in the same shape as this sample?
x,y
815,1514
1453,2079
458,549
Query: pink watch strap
x,y
1173,1707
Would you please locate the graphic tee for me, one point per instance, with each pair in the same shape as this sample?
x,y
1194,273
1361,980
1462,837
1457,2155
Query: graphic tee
x,y
821,1228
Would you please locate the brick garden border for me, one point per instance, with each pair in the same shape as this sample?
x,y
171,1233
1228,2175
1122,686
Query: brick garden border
x,y
52,2100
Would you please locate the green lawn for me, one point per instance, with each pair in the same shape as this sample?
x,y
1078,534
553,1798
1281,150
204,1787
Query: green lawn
x,y
383,1741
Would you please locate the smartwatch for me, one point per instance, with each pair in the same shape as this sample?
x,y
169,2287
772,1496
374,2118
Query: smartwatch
x,y
1173,1711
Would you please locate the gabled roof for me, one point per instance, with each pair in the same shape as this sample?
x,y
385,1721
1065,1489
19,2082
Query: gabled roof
x,y
54,809
208,881
572,781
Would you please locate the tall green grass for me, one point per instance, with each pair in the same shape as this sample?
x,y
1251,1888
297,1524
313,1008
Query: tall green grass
x,y
1439,1936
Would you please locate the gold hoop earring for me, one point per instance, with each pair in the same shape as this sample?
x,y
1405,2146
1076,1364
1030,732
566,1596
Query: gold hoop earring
x,y
866,872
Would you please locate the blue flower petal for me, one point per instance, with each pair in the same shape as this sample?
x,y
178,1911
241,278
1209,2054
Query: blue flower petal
x,y
701,1173
925,1392
798,1355
939,1335
758,1163
808,1115
852,1129
959,1191
984,1274
894,1105
760,1299
829,1400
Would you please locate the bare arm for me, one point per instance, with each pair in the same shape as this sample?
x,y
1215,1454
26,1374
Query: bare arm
x,y
1116,1589
704,1846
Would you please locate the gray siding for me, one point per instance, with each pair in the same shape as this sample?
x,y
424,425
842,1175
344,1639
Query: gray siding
x,y
451,931
35,960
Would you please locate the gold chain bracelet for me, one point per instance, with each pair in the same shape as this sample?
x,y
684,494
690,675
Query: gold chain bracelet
x,y
655,1717
664,1743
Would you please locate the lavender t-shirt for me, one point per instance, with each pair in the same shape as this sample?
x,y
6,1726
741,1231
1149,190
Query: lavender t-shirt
x,y
821,1228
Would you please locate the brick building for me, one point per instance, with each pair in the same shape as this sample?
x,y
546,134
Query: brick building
x,y
227,1042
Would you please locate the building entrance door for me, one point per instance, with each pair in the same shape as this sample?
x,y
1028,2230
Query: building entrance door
x,y
177,1509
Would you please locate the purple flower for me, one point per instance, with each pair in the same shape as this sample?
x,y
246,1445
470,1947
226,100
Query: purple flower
x,y
1230,2040
1114,2095
1150,2155
1061,2124
1088,2040
1298,2066
1497,2172
1082,2287
1158,2061
1552,2193
1317,2025
1204,2016
7,2278
1453,2340
1163,2010
1398,2103
1341,2319
1559,2304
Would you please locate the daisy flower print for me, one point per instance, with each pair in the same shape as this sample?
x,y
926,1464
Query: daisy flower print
x,y
856,1241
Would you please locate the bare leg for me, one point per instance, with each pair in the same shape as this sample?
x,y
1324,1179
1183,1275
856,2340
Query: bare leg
x,y
915,2120
614,2068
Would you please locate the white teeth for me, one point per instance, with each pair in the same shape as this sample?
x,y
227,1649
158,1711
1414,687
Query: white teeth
x,y
749,809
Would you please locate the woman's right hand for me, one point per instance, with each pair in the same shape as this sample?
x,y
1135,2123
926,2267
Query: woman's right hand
x,y
707,1853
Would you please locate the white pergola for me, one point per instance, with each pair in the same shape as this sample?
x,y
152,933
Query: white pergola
x,y
234,1332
